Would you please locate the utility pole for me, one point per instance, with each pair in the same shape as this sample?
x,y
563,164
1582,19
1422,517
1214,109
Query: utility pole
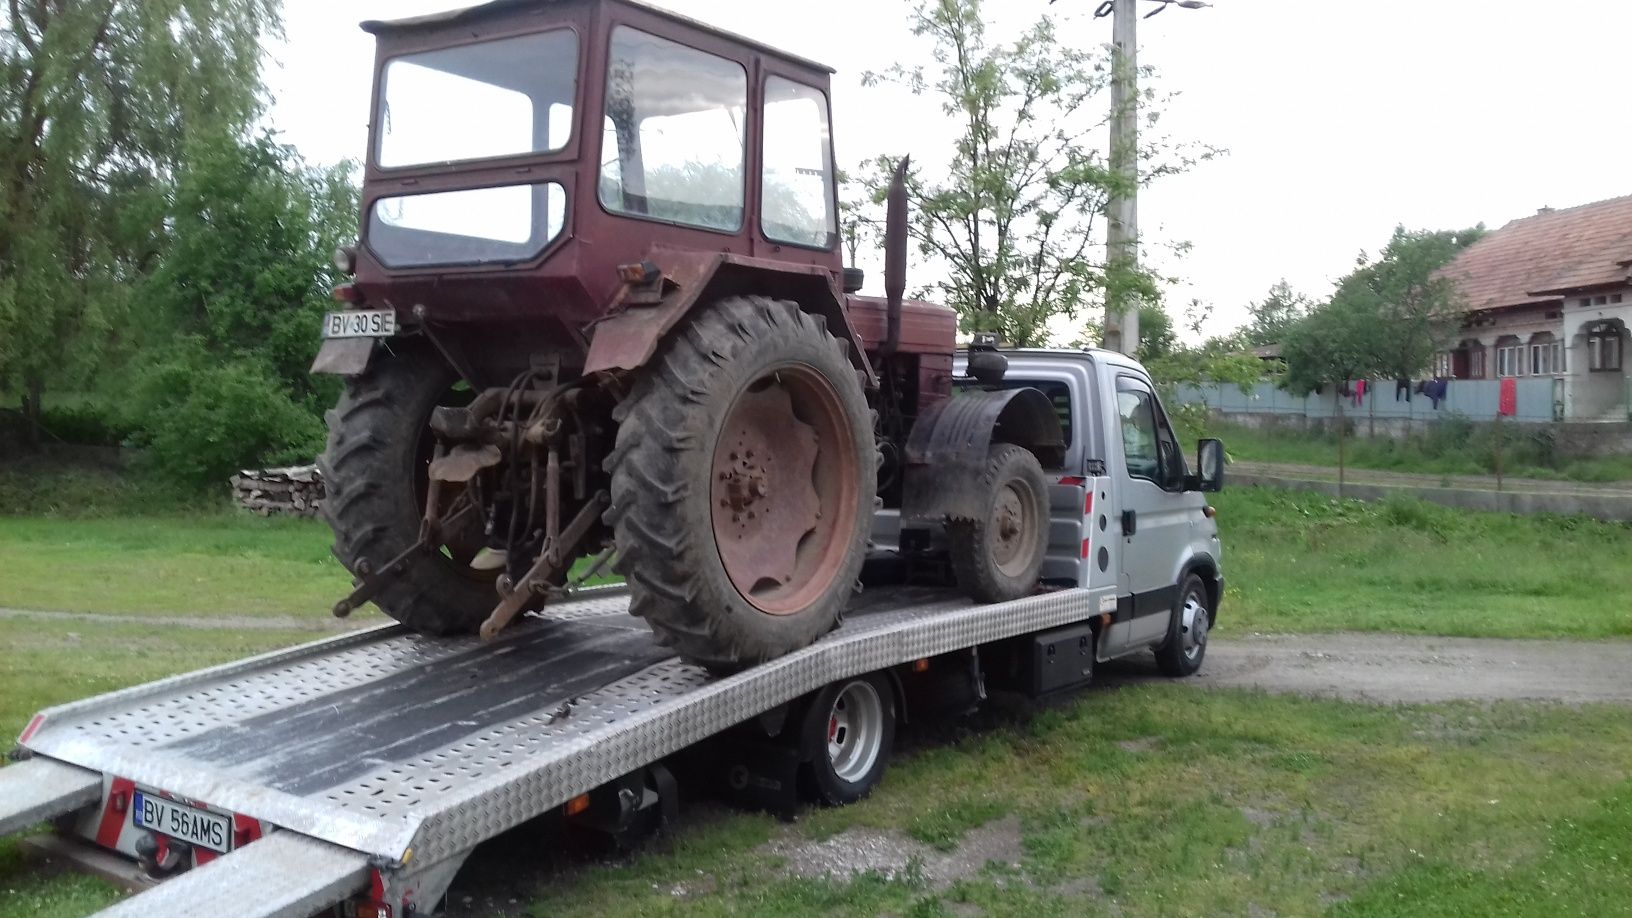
x,y
1122,230
1122,211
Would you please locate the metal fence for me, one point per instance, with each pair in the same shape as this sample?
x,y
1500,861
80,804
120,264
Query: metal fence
x,y
1539,400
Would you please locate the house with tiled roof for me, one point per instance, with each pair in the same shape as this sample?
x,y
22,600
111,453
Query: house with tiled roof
x,y
1550,296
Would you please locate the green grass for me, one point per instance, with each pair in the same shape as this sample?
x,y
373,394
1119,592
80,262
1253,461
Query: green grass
x,y
1451,447
225,563
48,662
63,483
1155,800
1162,800
1305,562
27,892
1165,800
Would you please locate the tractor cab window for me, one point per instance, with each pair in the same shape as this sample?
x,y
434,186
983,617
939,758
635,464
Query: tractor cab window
x,y
507,97
796,189
673,144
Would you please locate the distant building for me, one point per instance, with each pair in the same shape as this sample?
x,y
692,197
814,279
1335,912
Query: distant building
x,y
1551,296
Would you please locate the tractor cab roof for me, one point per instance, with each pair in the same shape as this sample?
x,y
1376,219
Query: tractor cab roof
x,y
497,7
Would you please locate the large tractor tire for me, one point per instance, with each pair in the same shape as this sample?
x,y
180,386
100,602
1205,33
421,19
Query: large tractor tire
x,y
743,483
375,475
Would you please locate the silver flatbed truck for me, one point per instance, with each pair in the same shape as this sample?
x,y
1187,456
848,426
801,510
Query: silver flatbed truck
x,y
359,772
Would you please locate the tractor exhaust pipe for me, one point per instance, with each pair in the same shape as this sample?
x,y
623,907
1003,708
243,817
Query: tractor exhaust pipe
x,y
895,257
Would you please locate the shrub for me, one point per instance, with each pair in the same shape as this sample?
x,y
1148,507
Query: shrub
x,y
200,420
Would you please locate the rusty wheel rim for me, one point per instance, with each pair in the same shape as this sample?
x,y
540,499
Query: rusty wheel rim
x,y
1011,525
783,486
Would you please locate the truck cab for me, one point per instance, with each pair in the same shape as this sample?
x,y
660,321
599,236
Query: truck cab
x,y
1129,517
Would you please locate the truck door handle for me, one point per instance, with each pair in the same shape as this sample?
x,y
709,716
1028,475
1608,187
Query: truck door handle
x,y
1130,522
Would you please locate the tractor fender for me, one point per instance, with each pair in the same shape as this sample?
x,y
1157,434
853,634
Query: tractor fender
x,y
630,334
946,451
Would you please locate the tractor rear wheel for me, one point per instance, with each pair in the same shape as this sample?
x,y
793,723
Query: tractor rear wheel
x,y
743,483
375,475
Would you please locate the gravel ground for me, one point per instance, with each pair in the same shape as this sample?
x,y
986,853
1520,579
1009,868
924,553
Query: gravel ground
x,y
1390,668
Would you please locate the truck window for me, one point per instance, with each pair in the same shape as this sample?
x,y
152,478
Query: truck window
x,y
1148,443
1138,410
1059,394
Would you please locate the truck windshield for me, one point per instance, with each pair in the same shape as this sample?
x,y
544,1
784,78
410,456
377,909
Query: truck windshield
x,y
507,97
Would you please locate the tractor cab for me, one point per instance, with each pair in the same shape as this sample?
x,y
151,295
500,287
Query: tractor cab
x,y
520,152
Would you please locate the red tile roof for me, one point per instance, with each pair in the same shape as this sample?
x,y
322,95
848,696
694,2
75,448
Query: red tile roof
x,y
1538,259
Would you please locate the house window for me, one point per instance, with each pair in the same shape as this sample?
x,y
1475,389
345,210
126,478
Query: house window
x,y
1442,365
1476,360
1604,348
1546,355
1510,357
1615,298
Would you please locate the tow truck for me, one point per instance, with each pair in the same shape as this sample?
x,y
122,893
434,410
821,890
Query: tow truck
x,y
356,774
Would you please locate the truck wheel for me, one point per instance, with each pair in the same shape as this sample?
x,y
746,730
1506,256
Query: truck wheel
x,y
375,474
1182,653
998,558
743,483
849,729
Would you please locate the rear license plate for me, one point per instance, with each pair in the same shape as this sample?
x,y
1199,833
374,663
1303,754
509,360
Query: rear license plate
x,y
180,821
360,323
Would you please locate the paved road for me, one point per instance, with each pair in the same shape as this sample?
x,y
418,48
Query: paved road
x,y
1407,668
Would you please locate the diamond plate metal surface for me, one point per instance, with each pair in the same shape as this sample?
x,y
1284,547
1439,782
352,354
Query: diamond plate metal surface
x,y
39,789
283,875
445,798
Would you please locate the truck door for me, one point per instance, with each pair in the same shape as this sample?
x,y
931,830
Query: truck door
x,y
1156,514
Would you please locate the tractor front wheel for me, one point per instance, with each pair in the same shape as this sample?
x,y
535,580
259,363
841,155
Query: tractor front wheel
x,y
743,483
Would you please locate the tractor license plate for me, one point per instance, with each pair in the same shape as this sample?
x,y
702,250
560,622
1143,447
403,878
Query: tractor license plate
x,y
360,323
180,821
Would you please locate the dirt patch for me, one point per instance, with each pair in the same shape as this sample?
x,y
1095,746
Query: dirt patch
x,y
1398,668
895,856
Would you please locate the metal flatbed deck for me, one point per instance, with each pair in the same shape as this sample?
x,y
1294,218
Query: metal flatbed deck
x,y
385,752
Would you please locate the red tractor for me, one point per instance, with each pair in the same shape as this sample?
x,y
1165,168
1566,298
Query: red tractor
x,y
599,309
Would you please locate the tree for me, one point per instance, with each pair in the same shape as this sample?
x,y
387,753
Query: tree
x,y
1274,315
97,98
1013,223
233,306
1386,321
1157,337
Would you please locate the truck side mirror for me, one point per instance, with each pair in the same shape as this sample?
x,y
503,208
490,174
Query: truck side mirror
x,y
1210,466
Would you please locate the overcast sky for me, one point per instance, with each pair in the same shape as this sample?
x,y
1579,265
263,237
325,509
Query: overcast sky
x,y
1341,119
